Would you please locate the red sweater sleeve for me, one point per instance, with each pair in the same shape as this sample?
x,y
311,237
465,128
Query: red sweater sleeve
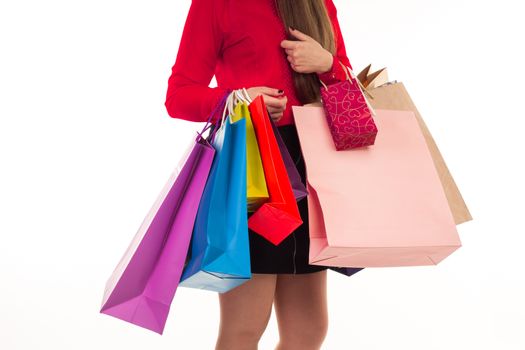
x,y
188,95
336,72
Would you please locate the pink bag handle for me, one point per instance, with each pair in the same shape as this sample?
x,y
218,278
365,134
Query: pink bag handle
x,y
349,73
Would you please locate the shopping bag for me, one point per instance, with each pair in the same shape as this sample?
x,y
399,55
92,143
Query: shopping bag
x,y
279,217
219,253
348,113
347,271
377,206
257,192
143,284
372,80
395,96
298,188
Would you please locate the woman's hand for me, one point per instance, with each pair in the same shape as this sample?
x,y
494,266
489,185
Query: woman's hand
x,y
274,99
306,55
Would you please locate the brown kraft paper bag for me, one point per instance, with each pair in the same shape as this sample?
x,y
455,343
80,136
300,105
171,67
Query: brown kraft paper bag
x,y
395,96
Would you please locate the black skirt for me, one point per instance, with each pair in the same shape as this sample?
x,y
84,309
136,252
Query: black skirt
x,y
291,255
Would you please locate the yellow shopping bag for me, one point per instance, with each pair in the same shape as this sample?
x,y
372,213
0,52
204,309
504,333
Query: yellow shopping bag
x,y
257,192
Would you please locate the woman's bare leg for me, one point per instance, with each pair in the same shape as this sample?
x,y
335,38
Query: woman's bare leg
x,y
302,311
245,311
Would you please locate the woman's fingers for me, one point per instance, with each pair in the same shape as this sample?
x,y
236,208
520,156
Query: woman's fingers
x,y
274,100
276,116
273,110
270,91
278,103
276,110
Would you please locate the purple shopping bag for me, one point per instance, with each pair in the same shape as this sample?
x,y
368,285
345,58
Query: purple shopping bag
x,y
143,284
299,189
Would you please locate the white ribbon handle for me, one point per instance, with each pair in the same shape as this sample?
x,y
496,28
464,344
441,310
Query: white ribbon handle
x,y
247,97
236,96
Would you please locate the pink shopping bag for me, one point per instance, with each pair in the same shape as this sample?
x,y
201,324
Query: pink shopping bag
x,y
377,206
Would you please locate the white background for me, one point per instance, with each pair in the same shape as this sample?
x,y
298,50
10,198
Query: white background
x,y
86,145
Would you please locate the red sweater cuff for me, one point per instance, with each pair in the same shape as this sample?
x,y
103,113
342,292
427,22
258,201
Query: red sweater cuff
x,y
335,74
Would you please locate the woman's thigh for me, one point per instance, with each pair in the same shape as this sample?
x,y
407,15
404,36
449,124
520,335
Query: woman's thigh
x,y
247,308
301,309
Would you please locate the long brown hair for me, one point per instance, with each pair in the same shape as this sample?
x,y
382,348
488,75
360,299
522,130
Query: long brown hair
x,y
310,17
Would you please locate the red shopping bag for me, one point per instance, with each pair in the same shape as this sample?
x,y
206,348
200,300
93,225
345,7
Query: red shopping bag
x,y
279,216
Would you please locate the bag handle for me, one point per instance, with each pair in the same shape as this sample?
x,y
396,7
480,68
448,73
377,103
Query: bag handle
x,y
231,101
228,106
349,73
208,121
236,96
244,93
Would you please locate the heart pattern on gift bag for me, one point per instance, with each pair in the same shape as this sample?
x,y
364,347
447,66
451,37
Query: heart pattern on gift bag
x,y
348,114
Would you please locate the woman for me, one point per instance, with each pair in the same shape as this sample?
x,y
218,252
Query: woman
x,y
278,49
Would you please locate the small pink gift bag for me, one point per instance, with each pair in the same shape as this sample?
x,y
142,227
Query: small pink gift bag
x,y
348,113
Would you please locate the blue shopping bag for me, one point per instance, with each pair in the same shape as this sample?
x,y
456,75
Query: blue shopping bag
x,y
219,257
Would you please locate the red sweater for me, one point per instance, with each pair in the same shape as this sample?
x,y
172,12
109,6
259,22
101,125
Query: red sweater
x,y
238,41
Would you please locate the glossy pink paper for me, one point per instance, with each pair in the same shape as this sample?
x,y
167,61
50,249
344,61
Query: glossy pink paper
x,y
377,206
348,115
